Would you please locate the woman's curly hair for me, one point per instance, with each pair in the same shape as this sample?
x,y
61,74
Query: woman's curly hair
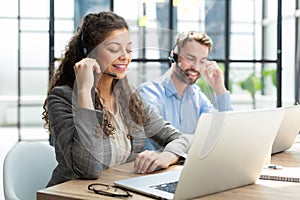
x,y
95,28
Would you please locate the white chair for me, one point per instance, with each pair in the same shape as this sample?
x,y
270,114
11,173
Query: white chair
x,y
27,168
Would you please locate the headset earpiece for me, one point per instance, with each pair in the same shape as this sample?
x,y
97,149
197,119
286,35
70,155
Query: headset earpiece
x,y
173,58
84,45
84,51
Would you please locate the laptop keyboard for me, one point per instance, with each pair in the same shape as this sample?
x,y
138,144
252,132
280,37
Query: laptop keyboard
x,y
167,187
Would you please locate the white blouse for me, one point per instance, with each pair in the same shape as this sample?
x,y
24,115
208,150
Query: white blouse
x,y
120,144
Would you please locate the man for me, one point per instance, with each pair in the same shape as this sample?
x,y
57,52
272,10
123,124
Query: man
x,y
175,95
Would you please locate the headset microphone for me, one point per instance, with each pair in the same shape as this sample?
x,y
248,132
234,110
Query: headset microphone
x,y
111,74
96,76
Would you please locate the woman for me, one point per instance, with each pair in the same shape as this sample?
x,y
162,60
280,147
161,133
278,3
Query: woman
x,y
95,119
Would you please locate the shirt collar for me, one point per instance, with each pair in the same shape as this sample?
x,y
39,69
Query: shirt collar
x,y
171,90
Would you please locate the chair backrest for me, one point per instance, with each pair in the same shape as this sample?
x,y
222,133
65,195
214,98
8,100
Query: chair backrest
x,y
27,168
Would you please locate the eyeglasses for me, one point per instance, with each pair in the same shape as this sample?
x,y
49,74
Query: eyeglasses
x,y
192,60
109,190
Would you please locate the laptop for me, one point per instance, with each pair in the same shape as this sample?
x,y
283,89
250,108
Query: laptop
x,y
288,130
229,150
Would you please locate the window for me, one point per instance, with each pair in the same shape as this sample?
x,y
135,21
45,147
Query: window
x,y
245,34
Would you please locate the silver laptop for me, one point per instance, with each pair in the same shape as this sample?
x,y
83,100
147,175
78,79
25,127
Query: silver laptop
x,y
288,130
229,150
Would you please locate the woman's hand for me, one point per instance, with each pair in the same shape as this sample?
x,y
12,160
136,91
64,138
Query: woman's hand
x,y
84,71
149,161
85,80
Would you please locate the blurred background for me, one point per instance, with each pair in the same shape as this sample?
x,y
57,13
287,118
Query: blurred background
x,y
256,43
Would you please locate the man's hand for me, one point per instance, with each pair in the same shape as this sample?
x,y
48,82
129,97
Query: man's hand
x,y
215,77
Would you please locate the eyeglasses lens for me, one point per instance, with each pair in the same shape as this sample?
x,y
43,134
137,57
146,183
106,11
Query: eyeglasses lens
x,y
107,189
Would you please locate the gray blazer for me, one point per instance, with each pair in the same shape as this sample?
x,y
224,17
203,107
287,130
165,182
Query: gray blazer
x,y
81,150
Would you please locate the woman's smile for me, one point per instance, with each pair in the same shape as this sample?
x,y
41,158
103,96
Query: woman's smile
x,y
120,67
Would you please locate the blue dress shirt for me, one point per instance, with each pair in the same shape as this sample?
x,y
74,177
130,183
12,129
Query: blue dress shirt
x,y
183,113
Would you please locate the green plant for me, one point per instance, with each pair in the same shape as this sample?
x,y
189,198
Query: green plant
x,y
272,73
251,84
205,87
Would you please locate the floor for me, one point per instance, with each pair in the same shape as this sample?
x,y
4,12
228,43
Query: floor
x,y
9,137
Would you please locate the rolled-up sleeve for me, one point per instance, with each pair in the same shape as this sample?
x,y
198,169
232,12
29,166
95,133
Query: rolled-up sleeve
x,y
224,102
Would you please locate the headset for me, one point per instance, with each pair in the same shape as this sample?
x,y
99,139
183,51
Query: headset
x,y
83,44
173,58
86,51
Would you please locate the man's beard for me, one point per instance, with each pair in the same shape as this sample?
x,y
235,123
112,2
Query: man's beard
x,y
183,75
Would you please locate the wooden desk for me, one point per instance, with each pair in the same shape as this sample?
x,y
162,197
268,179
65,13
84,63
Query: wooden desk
x,y
262,190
